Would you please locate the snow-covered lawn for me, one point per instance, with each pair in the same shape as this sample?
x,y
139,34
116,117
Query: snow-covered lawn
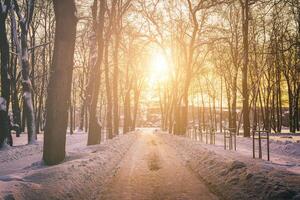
x,y
235,175
83,172
14,159
284,150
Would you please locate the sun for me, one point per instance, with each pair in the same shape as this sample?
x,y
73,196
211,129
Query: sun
x,y
159,63
159,68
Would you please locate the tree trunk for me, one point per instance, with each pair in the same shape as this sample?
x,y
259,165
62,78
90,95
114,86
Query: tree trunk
x,y
115,87
14,96
94,133
185,107
40,106
108,94
71,119
233,105
23,55
5,83
127,115
27,86
221,106
136,99
245,92
81,120
59,88
23,120
177,119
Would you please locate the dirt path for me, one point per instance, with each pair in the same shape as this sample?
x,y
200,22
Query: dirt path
x,y
152,170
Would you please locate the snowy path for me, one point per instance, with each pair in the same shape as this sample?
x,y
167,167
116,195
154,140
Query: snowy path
x,y
149,164
153,170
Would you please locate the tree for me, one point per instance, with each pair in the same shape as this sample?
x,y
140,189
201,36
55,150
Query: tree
x,y
245,4
5,82
23,55
94,135
59,88
120,9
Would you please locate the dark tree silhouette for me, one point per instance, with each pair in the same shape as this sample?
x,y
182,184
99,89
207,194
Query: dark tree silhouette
x,y
59,88
5,83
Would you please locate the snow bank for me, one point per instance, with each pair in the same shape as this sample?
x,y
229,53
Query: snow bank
x,y
16,153
22,150
232,175
77,178
285,153
288,148
278,145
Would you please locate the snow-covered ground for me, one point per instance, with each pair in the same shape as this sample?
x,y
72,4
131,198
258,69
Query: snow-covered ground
x,y
284,149
159,166
23,156
153,170
82,173
235,175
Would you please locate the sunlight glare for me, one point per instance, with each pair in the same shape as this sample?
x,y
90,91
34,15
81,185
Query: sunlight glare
x,y
159,69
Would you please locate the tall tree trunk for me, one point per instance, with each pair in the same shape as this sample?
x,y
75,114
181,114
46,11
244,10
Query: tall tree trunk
x,y
23,120
171,116
5,83
215,126
245,92
74,109
185,99
136,98
115,86
94,133
221,106
109,127
86,119
290,97
59,88
41,97
81,120
297,118
177,119
32,73
14,95
71,119
233,105
127,115
27,88
228,95
23,54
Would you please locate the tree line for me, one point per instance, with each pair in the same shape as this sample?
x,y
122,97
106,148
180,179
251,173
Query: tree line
x,y
232,63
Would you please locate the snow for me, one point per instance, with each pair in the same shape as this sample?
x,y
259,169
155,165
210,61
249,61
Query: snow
x,y
83,171
153,170
20,156
284,150
2,104
234,174
151,164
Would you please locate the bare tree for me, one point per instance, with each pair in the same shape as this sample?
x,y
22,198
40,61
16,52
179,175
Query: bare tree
x,y
59,88
5,82
93,89
245,5
23,55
